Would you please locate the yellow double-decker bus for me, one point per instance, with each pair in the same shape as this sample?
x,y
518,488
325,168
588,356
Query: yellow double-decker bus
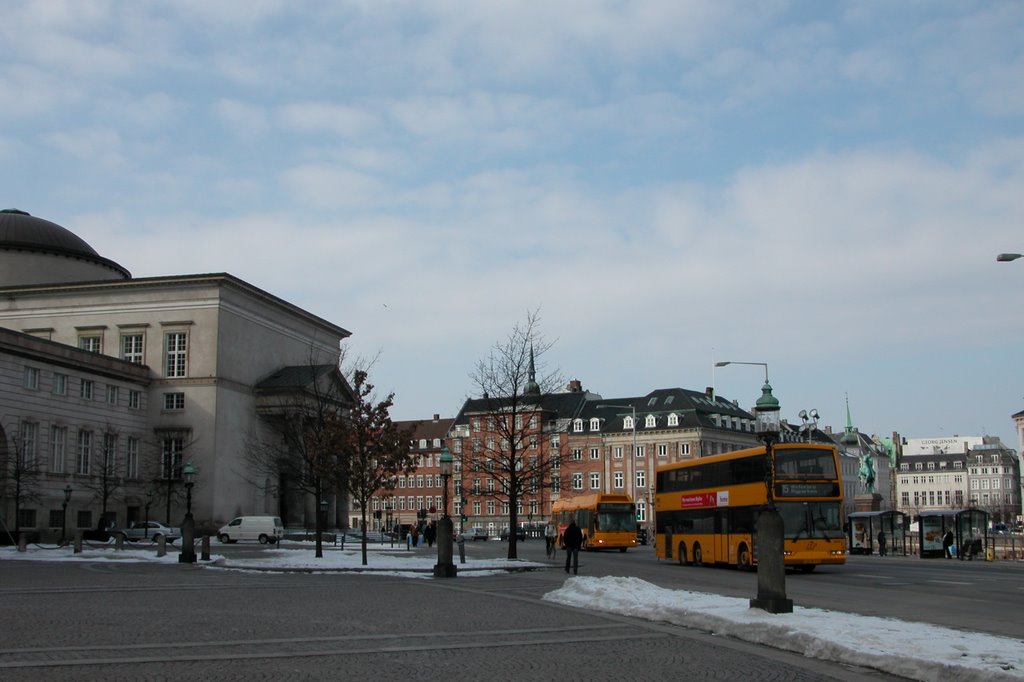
x,y
706,509
607,521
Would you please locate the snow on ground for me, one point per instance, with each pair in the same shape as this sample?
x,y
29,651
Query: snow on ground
x,y
913,650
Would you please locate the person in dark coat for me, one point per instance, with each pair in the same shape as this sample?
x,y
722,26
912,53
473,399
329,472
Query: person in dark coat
x,y
572,538
947,544
881,543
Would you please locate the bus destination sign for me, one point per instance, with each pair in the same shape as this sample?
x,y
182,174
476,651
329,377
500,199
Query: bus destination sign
x,y
716,499
806,489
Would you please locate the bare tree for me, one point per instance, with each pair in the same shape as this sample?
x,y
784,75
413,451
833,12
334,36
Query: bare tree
x,y
517,455
305,409
163,468
21,469
104,481
373,449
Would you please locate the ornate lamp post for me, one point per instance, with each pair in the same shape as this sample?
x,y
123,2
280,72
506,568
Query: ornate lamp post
x,y
771,562
149,501
445,568
188,526
64,510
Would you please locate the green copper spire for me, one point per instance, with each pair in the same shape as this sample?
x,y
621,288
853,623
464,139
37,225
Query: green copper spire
x,y
849,437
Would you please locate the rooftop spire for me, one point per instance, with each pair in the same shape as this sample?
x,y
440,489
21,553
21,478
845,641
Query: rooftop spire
x,y
849,437
532,387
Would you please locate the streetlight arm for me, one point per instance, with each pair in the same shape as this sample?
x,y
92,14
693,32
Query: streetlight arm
x,y
1005,257
735,362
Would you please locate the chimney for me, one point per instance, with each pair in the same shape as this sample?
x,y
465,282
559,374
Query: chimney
x,y
437,417
575,386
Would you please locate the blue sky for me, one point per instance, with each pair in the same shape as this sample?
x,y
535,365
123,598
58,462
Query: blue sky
x,y
819,186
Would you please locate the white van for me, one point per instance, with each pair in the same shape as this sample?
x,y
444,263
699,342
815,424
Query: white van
x,y
263,528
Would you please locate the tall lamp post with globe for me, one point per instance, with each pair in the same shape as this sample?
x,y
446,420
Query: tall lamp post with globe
x,y
770,532
188,526
64,513
445,568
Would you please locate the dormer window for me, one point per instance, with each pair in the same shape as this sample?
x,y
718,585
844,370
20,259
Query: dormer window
x,y
651,421
577,425
627,423
673,419
423,443
595,424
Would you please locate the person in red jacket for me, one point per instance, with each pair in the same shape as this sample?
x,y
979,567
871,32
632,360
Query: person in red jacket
x,y
572,538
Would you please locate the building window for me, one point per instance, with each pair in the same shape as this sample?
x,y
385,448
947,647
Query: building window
x,y
110,454
595,480
577,454
663,450
595,424
650,422
684,449
577,425
29,438
85,389
174,401
617,452
641,479
577,481
60,384
905,498
641,512
58,446
176,345
490,507
32,378
134,399
673,419
112,394
627,423
639,450
595,453
131,348
619,479
131,458
171,449
92,343
84,452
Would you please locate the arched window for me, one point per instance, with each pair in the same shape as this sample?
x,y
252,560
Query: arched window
x,y
673,419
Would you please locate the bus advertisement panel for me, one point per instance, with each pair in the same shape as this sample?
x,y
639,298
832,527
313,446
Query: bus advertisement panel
x,y
607,521
706,508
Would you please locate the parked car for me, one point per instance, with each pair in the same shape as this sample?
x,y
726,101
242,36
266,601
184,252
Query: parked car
x,y
520,534
263,528
148,530
477,533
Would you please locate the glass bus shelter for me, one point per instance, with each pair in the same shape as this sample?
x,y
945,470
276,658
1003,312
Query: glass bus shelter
x,y
969,528
862,529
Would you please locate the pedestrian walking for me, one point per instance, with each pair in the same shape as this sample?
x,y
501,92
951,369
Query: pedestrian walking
x,y
881,543
947,544
550,534
572,538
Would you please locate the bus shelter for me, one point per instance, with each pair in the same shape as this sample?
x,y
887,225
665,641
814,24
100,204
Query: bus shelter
x,y
967,529
863,529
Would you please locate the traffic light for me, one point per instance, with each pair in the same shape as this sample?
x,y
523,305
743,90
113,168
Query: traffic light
x,y
464,518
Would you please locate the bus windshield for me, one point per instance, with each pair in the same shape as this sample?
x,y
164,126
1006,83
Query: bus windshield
x,y
811,520
797,463
613,520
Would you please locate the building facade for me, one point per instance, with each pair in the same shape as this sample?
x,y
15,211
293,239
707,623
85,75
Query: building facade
x,y
204,343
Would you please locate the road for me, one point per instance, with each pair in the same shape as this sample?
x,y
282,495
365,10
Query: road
x,y
114,620
973,595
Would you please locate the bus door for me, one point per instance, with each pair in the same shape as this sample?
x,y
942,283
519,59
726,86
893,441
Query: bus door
x,y
721,536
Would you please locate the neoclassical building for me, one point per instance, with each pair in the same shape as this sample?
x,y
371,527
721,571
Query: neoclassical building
x,y
190,352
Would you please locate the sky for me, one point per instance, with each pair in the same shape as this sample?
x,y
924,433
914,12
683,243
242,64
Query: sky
x,y
822,187
939,653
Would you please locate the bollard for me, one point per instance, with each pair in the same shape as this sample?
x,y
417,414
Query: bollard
x,y
78,542
205,548
119,541
22,542
462,549
161,546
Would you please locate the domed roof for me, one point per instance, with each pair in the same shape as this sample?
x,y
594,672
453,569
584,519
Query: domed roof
x,y
21,232
19,229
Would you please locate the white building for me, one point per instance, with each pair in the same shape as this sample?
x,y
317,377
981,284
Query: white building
x,y
206,342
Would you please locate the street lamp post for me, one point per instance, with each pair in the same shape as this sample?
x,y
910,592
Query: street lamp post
x,y
770,531
149,501
445,568
188,526
321,523
64,513
810,420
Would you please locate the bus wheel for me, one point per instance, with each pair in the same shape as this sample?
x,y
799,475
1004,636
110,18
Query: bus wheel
x,y
698,559
622,549
743,558
681,554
